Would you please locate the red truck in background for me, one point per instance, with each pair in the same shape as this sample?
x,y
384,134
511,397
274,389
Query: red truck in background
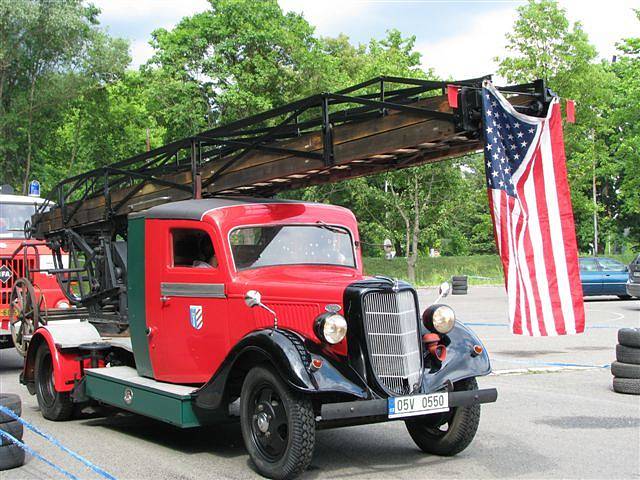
x,y
19,258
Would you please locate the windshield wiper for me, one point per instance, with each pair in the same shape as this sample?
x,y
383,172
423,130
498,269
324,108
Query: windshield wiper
x,y
331,228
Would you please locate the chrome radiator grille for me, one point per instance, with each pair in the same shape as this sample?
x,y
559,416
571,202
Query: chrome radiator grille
x,y
392,329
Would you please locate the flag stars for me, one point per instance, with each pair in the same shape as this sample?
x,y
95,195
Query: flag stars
x,y
489,146
532,130
520,135
489,130
524,144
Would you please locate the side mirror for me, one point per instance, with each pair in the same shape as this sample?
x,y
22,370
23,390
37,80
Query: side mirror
x,y
444,289
253,298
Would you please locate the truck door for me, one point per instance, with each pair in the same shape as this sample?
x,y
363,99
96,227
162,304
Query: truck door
x,y
189,336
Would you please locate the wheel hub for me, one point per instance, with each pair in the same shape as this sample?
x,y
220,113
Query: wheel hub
x,y
269,423
263,422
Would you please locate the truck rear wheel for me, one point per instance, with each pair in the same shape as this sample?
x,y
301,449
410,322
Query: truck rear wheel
x,y
278,426
54,405
449,433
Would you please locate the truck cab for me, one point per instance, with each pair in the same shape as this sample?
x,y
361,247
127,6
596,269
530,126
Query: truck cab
x,y
18,255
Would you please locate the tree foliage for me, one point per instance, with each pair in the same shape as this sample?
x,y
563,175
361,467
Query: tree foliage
x,y
543,44
53,53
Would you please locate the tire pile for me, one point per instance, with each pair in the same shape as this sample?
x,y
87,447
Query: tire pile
x,y
626,368
11,455
459,285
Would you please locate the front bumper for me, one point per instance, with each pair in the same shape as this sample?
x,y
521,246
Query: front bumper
x,y
633,289
363,411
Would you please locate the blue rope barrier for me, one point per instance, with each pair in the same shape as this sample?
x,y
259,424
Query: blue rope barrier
x,y
78,457
35,454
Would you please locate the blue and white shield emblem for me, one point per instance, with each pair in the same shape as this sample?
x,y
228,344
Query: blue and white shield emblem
x,y
195,316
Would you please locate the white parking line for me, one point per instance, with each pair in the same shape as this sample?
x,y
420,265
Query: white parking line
x,y
534,370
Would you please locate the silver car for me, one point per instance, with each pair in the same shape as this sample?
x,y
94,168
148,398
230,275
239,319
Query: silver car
x,y
633,284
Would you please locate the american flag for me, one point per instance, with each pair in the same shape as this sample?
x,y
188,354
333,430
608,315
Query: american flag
x,y
530,204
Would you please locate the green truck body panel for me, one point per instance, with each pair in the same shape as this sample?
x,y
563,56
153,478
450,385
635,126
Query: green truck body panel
x,y
177,409
136,296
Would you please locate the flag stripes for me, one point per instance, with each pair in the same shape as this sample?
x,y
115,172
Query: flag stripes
x,y
530,205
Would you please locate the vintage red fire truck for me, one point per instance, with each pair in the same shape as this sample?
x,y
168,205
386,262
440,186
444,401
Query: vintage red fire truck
x,y
188,294
16,256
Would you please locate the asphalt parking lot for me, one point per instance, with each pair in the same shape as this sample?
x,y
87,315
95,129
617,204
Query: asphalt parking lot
x,y
556,417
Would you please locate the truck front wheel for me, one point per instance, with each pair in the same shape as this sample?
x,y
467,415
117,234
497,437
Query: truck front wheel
x,y
54,405
448,433
278,425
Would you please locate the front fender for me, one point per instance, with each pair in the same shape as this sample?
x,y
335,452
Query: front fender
x,y
290,356
460,363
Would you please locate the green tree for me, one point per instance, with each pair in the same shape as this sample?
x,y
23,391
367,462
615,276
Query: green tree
x,y
624,135
245,57
543,44
53,52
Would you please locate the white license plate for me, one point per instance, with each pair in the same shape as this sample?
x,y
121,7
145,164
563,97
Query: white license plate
x,y
636,274
418,405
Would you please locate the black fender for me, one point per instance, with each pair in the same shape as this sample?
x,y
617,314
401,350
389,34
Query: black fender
x,y
291,357
461,361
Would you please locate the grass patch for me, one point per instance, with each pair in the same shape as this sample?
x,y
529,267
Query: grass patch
x,y
433,271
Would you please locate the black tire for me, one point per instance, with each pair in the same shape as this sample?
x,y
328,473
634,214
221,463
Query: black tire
x,y
626,354
625,297
625,370
11,456
629,337
15,429
627,385
458,278
13,403
284,450
56,406
462,423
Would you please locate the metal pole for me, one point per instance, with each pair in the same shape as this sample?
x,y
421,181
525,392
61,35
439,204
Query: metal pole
x,y
194,169
595,211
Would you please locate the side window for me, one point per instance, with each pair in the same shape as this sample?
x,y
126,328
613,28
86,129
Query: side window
x,y
611,265
588,265
192,248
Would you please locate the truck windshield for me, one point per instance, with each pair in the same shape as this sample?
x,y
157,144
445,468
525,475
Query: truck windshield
x,y
12,218
264,246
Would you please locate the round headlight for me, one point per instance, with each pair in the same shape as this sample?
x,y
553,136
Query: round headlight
x,y
439,318
331,328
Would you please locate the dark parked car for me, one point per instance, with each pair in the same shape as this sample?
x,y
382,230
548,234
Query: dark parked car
x,y
604,276
633,284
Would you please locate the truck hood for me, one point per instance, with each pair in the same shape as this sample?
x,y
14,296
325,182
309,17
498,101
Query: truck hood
x,y
297,283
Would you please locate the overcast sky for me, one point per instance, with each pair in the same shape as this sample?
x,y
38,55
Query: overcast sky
x,y
458,38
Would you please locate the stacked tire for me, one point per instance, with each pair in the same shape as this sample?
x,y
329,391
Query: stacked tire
x,y
626,368
11,455
459,285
